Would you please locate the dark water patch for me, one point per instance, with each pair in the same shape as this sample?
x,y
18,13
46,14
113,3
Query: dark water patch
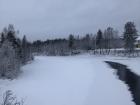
x,y
130,78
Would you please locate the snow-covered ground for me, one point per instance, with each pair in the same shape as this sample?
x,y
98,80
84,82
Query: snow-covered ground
x,y
76,80
132,63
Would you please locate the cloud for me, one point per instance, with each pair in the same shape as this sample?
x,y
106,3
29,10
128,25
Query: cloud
x,y
41,19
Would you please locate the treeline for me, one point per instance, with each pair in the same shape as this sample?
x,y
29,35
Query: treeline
x,y
103,42
14,53
75,44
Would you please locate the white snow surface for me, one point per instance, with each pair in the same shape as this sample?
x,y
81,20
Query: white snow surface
x,y
75,80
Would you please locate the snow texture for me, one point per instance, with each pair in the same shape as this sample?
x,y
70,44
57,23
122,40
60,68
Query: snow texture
x,y
76,80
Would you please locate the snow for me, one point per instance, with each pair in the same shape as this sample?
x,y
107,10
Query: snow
x,y
132,63
75,80
138,38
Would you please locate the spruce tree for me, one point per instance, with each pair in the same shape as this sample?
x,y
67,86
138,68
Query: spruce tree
x,y
99,38
71,41
129,36
2,38
24,50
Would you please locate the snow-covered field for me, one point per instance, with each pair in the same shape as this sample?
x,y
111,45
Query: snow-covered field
x,y
76,80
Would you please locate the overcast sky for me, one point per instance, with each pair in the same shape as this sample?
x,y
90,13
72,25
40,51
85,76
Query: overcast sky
x,y
42,19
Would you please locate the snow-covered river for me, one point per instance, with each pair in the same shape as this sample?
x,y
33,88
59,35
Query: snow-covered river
x,y
76,80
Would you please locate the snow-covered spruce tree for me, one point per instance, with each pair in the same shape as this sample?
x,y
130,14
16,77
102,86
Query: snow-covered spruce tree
x,y
10,66
129,36
10,53
13,53
16,43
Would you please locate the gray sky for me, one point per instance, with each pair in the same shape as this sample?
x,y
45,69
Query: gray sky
x,y
42,19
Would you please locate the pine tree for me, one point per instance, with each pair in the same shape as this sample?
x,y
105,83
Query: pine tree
x,y
129,36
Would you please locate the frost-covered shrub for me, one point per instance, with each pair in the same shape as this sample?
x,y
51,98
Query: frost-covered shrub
x,y
10,99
